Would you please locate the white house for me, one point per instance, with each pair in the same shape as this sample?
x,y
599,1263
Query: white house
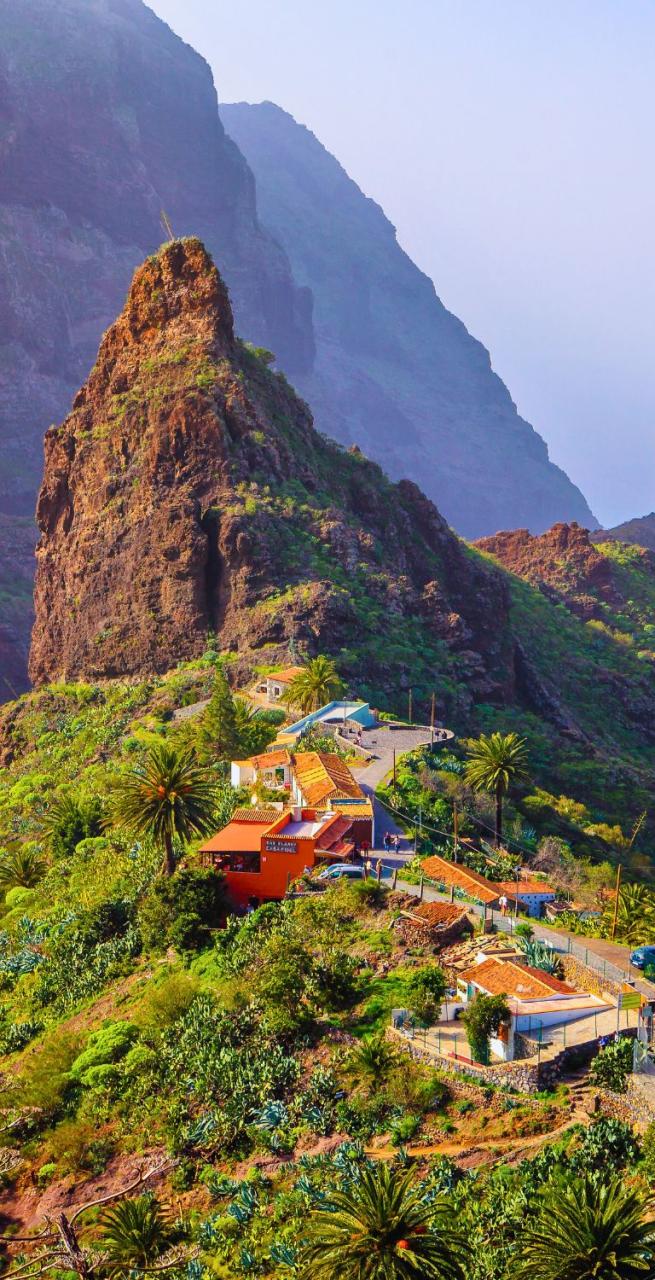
x,y
536,999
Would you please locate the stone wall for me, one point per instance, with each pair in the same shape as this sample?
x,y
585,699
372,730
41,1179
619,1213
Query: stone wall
x,y
580,976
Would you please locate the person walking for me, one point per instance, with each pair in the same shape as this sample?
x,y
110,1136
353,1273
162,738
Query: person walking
x,y
503,903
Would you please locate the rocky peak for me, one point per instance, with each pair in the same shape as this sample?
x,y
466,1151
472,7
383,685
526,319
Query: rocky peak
x,y
188,493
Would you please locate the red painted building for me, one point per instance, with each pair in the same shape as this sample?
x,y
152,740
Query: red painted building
x,y
262,850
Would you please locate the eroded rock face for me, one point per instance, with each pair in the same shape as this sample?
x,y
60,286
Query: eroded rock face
x,y
106,119
563,562
188,493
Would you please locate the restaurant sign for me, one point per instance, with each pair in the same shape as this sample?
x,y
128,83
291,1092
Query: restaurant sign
x,y
280,846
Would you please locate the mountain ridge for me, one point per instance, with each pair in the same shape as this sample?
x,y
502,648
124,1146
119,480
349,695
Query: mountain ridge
x,y
414,388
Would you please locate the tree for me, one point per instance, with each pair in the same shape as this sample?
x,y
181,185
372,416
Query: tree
x,y
22,867
219,731
254,731
316,684
375,1059
134,1233
590,1229
635,919
482,1019
426,990
70,820
496,762
169,797
382,1229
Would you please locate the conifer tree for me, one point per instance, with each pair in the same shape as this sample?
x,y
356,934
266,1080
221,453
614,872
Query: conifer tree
x,y
219,731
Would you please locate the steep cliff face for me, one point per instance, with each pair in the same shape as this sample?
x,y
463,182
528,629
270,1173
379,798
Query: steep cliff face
x,y
188,493
106,118
395,371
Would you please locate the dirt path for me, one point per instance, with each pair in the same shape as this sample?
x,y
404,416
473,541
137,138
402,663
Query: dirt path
x,y
580,1093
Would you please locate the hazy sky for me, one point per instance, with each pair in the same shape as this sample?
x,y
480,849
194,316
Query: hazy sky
x,y
510,142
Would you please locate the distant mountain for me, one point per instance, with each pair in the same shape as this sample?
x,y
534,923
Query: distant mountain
x,y
640,532
395,372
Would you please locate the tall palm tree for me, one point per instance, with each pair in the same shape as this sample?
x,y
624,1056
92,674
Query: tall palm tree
x,y
589,1230
496,762
382,1229
635,918
134,1233
316,684
169,796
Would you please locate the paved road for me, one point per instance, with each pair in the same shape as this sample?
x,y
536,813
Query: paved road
x,y
382,742
607,958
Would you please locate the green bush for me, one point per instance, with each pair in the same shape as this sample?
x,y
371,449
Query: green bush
x,y
104,1047
404,1129
182,909
612,1066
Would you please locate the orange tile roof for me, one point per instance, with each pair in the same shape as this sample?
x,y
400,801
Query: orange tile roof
x,y
286,676
322,776
463,878
270,759
251,814
525,886
511,978
238,837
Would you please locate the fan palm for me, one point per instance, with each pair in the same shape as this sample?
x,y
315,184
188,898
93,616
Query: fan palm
x,y
134,1233
589,1230
315,685
375,1058
22,867
382,1229
635,917
169,797
496,761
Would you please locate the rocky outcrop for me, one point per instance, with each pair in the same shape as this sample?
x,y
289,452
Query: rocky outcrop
x,y
395,371
106,120
563,563
188,493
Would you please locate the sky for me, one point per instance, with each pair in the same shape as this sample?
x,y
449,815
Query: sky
x,y
510,143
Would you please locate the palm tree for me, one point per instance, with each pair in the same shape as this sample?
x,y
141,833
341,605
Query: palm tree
x,y
170,796
134,1234
382,1229
374,1058
589,1230
496,761
315,685
22,867
635,918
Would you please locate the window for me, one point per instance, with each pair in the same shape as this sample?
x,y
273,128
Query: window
x,y
244,862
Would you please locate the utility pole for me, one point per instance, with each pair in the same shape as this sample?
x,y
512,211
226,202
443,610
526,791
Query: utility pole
x,y
410,707
432,710
455,830
616,902
394,777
